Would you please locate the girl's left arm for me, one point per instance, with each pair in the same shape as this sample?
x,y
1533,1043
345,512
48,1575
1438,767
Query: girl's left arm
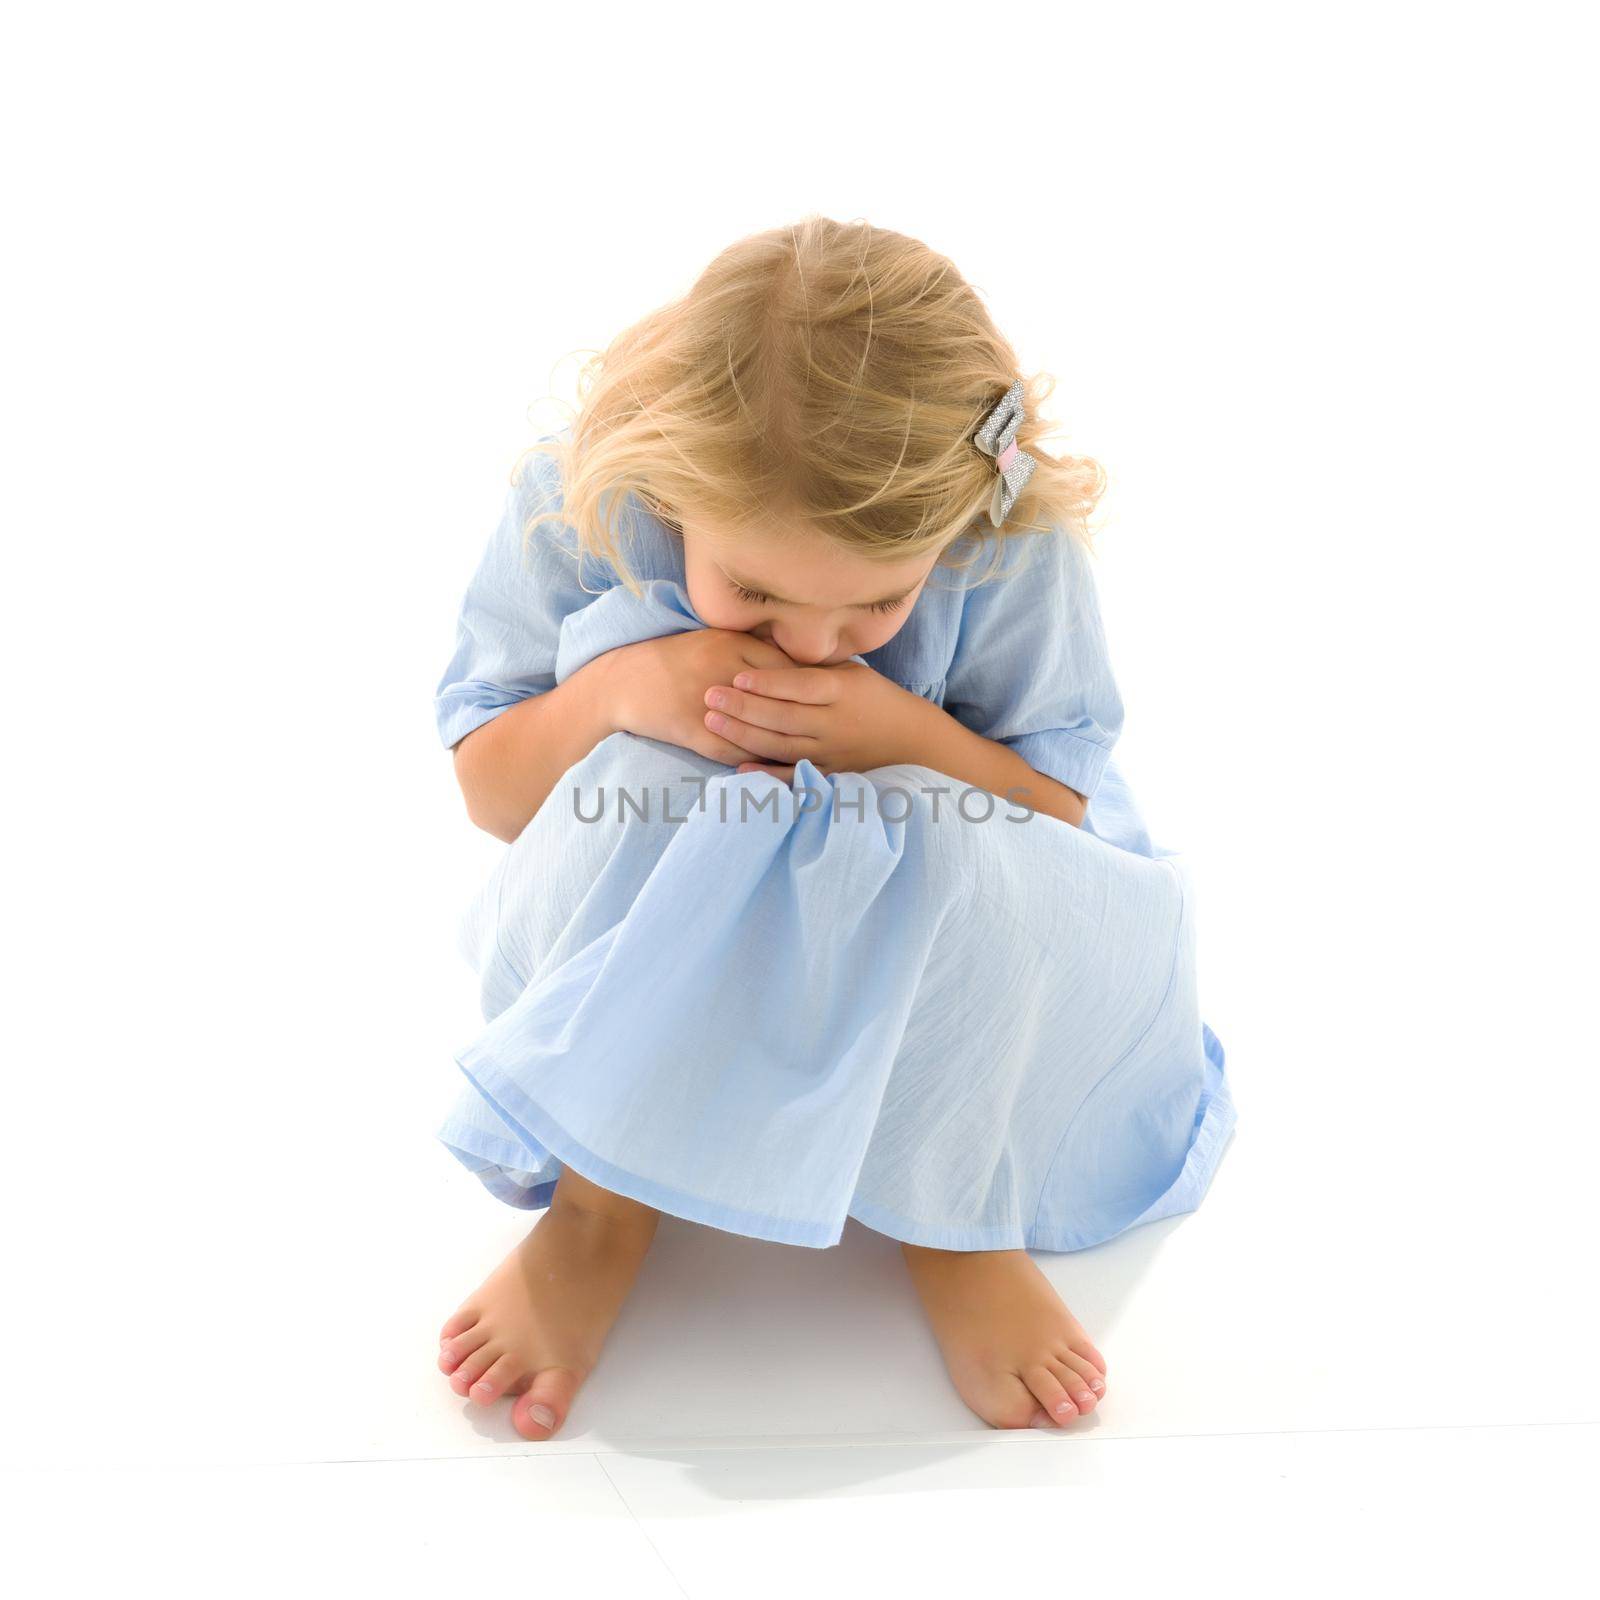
x,y
851,718
948,747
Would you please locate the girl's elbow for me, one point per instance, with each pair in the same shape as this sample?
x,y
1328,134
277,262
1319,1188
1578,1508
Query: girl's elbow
x,y
479,816
482,812
477,796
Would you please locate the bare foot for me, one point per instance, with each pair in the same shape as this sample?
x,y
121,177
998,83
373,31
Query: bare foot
x,y
535,1327
1016,1355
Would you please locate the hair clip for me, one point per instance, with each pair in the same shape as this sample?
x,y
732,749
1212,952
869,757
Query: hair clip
x,y
998,438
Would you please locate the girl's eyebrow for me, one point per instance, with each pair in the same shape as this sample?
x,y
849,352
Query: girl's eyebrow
x,y
741,583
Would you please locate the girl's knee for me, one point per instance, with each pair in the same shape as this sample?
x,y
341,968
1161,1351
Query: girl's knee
x,y
632,758
629,778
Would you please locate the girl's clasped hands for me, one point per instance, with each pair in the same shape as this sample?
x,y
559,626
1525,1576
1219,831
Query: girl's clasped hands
x,y
844,718
741,700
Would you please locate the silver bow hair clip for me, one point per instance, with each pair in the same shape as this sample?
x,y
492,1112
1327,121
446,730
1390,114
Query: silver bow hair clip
x,y
998,438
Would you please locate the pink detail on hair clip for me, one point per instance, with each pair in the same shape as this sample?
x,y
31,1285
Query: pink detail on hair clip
x,y
1004,459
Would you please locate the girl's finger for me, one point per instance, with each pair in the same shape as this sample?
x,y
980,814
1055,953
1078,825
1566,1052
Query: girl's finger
x,y
709,745
779,716
785,773
815,686
762,743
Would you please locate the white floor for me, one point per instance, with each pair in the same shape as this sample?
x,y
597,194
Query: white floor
x,y
1297,1388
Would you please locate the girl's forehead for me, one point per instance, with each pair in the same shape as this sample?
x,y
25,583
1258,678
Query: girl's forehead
x,y
804,565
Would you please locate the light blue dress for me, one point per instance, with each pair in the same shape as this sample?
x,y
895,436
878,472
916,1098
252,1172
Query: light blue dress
x,y
767,1006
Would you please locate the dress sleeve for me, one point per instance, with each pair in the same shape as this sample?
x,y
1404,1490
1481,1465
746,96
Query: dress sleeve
x,y
1030,667
509,628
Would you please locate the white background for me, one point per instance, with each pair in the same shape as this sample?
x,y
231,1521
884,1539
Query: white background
x,y
284,282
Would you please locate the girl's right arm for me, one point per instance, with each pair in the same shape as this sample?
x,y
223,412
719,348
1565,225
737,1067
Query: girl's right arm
x,y
655,688
507,767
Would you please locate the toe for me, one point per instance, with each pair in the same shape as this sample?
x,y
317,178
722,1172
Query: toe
x,y
1082,1347
1083,1367
1008,1403
473,1368
455,1350
1079,1383
1047,1388
459,1323
541,1411
496,1380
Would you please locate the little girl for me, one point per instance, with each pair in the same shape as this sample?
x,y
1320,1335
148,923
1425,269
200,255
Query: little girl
x,y
784,679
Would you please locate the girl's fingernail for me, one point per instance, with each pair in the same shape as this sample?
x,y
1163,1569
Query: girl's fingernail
x,y
718,698
741,680
714,721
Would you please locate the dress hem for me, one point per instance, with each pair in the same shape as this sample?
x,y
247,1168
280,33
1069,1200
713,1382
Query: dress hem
x,y
496,1088
488,1161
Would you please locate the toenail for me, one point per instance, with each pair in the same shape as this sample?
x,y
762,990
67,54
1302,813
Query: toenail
x,y
543,1415
1097,1384
484,1385
1063,1407
1085,1398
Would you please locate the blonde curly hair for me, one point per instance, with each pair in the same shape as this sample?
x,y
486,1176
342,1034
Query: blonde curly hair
x,y
826,373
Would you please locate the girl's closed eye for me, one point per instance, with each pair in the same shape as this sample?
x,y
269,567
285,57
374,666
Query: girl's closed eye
x,y
756,597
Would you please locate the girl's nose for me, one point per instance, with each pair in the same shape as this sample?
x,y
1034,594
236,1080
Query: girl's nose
x,y
808,646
